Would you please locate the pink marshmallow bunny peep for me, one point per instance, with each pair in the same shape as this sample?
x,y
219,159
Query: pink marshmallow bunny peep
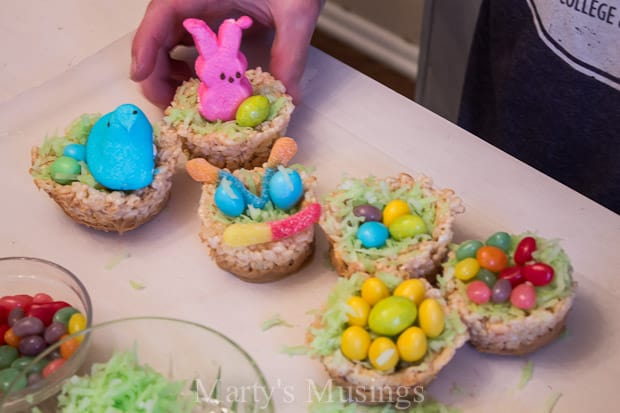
x,y
221,67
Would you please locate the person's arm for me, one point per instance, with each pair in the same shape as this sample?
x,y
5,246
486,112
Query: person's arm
x,y
161,31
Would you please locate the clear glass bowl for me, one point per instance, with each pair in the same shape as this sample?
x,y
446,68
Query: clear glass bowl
x,y
26,275
217,373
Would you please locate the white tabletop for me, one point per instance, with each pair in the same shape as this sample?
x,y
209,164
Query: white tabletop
x,y
347,124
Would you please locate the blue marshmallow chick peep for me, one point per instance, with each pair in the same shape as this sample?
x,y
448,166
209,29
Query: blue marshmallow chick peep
x,y
119,151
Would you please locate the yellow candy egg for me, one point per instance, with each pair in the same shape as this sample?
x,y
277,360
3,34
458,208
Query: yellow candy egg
x,y
76,323
413,289
357,313
383,354
431,317
395,209
374,290
355,342
412,344
466,269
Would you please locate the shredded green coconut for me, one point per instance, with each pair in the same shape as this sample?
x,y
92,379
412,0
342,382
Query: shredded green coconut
x,y
354,192
275,321
526,374
117,259
551,402
300,350
123,385
136,285
186,113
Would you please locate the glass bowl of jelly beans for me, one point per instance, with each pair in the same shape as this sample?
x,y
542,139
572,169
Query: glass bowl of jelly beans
x,y
41,303
163,365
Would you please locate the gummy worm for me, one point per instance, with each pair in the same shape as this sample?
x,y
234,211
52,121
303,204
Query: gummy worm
x,y
241,235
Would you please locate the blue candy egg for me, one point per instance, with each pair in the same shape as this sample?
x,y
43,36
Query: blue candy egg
x,y
372,234
285,188
228,199
76,151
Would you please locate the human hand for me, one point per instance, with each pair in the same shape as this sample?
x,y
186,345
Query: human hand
x,y
161,30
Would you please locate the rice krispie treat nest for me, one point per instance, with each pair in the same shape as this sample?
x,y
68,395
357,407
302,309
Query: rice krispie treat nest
x,y
226,144
364,379
87,202
419,255
524,314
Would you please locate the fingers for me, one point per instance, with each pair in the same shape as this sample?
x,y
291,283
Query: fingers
x,y
159,86
294,26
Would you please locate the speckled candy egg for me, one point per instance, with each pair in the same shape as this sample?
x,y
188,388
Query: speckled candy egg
x,y
228,199
286,188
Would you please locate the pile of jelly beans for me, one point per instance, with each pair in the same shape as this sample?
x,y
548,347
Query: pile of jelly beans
x,y
491,275
396,221
386,328
28,325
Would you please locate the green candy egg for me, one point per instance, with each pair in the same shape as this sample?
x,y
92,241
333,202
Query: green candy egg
x,y
64,314
253,111
63,169
392,315
468,249
500,240
7,380
407,226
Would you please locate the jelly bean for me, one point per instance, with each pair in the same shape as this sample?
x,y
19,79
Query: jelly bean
x,y
368,212
3,330
11,339
374,290
413,289
500,293
468,249
8,355
28,326
492,258
21,363
412,344
64,314
11,301
466,269
354,343
357,311
253,111
68,347
64,170
76,151
15,315
282,152
286,188
228,199
486,277
202,171
478,292
34,378
513,274
392,315
3,315
52,367
10,380
32,345
54,331
523,296
407,226
54,354
500,240
538,273
77,323
45,311
395,209
383,354
372,234
431,317
524,250
42,298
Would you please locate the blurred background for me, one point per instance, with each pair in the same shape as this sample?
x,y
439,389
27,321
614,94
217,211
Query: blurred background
x,y
418,48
